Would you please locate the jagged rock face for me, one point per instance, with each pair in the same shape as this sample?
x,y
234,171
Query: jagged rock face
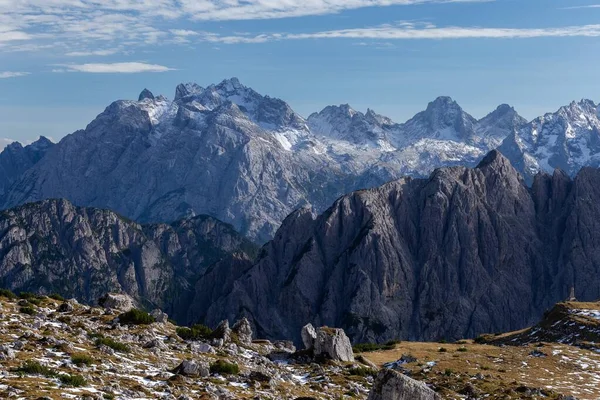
x,y
16,159
54,246
465,252
392,385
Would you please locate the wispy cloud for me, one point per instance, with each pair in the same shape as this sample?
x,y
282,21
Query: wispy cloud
x,y
270,9
105,52
113,68
580,7
412,31
12,74
76,27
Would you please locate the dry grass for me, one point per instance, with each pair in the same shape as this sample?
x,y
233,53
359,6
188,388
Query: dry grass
x,y
501,372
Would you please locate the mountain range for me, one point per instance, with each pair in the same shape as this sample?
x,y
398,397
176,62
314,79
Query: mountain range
x,y
463,252
250,160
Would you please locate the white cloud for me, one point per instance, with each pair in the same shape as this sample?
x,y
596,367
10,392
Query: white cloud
x,y
84,28
269,9
113,68
105,52
12,74
411,31
580,7
76,27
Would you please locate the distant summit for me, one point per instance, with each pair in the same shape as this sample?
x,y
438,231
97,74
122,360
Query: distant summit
x,y
250,160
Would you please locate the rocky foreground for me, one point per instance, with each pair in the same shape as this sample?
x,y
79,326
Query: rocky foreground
x,y
51,348
54,349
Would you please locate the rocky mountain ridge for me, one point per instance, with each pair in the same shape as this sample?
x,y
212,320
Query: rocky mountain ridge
x,y
53,246
464,252
250,160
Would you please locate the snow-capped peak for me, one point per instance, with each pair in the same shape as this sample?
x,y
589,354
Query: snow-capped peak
x,y
443,119
187,89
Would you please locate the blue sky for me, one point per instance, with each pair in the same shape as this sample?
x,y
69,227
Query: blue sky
x,y
63,61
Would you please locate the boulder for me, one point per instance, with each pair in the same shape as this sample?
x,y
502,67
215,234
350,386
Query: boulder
x,y
155,343
159,316
243,330
334,344
202,347
222,332
392,385
193,368
66,307
6,353
119,302
309,335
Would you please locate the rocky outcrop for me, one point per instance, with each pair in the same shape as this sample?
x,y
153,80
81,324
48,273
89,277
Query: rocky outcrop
x,y
159,316
333,344
465,252
116,302
309,336
53,246
222,333
392,385
243,330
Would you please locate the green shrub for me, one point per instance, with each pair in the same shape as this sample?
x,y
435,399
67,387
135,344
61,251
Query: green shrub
x,y
136,317
8,294
81,359
109,342
481,339
35,368
448,372
27,310
462,349
442,350
56,296
224,368
196,332
362,371
31,298
72,380
366,347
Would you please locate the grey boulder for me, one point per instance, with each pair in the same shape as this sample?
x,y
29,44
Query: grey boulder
x,y
160,316
309,335
118,302
334,344
193,369
392,385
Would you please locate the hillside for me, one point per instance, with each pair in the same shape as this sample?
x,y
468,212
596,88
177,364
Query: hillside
x,y
53,348
574,323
